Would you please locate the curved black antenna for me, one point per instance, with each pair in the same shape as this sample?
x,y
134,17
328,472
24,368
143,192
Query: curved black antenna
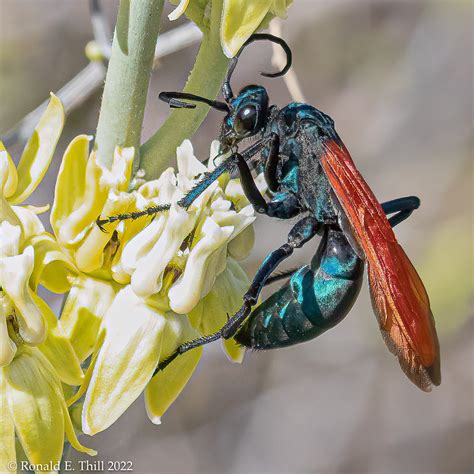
x,y
227,90
172,98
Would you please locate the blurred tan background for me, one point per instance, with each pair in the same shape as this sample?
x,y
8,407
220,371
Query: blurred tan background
x,y
397,76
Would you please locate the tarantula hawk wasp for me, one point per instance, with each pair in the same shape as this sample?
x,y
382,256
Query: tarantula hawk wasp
x,y
310,174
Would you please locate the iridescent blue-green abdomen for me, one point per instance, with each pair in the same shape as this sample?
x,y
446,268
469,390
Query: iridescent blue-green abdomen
x,y
316,298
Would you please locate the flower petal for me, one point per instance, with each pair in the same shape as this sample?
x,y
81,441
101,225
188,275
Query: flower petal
x,y
188,165
71,434
238,220
90,255
15,273
117,178
35,406
186,292
162,188
240,18
127,231
53,267
73,399
39,150
9,239
7,346
142,243
58,349
73,216
85,306
73,219
30,223
216,265
167,384
8,174
147,278
241,246
6,212
224,300
126,360
7,431
71,176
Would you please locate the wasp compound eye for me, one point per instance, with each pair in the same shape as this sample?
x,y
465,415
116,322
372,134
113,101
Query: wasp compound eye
x,y
246,120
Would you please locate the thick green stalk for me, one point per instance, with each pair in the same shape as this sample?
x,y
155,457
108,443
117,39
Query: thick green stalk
x,y
128,75
205,80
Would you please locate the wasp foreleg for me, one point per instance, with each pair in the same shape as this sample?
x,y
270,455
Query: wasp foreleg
x,y
228,166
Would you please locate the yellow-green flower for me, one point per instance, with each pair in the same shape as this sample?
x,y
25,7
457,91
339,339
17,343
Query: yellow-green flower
x,y
25,319
163,271
84,190
33,409
35,355
240,19
17,184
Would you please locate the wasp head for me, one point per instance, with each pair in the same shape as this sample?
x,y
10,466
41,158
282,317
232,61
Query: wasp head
x,y
248,113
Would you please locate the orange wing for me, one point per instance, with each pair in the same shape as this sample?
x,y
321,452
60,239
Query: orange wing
x,y
398,296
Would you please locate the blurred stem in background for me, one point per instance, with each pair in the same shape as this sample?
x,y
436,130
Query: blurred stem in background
x,y
205,80
128,76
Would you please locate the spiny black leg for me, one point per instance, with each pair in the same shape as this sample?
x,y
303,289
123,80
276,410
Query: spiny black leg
x,y
186,347
272,164
149,211
403,207
185,202
227,166
302,232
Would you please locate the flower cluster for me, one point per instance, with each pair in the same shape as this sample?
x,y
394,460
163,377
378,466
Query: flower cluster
x,y
36,357
152,277
132,294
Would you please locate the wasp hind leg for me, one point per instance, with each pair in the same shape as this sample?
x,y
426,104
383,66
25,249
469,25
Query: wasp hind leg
x,y
316,298
403,207
302,232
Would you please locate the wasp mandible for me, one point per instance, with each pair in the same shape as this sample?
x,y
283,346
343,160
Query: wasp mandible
x,y
310,175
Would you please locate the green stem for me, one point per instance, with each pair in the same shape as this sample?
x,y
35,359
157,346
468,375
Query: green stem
x,y
128,75
205,80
